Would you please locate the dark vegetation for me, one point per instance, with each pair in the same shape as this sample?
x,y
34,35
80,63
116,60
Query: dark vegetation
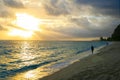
x,y
115,35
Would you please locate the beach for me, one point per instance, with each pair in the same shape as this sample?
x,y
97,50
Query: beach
x,y
105,65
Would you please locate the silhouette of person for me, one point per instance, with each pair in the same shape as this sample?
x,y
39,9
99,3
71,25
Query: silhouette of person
x,y
107,43
92,49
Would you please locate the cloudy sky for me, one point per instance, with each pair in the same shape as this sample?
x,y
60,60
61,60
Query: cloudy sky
x,y
58,19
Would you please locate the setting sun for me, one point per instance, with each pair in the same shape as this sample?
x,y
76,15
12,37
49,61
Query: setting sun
x,y
27,24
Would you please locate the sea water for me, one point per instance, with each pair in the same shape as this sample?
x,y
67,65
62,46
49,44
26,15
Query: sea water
x,y
22,60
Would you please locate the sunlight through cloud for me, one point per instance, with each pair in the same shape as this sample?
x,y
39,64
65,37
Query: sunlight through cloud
x,y
27,22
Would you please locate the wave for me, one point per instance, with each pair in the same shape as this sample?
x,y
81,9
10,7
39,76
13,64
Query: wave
x,y
7,73
78,52
41,51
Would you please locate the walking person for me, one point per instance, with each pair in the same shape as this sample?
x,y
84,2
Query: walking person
x,y
92,49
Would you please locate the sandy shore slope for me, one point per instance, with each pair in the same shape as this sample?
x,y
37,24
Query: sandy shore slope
x,y
102,66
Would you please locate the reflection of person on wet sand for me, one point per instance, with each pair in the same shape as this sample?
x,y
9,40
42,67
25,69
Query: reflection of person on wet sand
x,y
92,49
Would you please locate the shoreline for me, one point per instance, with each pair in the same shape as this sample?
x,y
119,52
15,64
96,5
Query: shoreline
x,y
91,63
61,65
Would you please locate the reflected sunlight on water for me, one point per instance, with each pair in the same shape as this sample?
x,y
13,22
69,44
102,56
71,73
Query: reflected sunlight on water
x,y
31,75
25,55
31,60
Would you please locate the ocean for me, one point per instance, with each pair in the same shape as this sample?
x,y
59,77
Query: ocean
x,y
31,60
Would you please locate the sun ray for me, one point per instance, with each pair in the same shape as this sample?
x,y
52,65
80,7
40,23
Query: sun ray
x,y
21,33
29,23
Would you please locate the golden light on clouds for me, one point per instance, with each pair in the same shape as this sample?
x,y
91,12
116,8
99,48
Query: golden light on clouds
x,y
27,25
36,19
21,33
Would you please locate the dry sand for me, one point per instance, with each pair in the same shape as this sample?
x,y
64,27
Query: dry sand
x,y
102,66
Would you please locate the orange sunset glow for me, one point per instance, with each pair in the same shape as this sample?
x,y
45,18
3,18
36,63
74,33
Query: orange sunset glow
x,y
56,20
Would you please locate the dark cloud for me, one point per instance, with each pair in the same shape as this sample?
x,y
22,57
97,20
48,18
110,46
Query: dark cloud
x,y
87,27
95,27
100,7
111,7
13,3
57,7
100,3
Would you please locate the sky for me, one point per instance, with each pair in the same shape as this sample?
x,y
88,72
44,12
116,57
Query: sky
x,y
58,19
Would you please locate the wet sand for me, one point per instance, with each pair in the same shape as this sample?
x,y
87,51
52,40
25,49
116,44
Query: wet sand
x,y
104,65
